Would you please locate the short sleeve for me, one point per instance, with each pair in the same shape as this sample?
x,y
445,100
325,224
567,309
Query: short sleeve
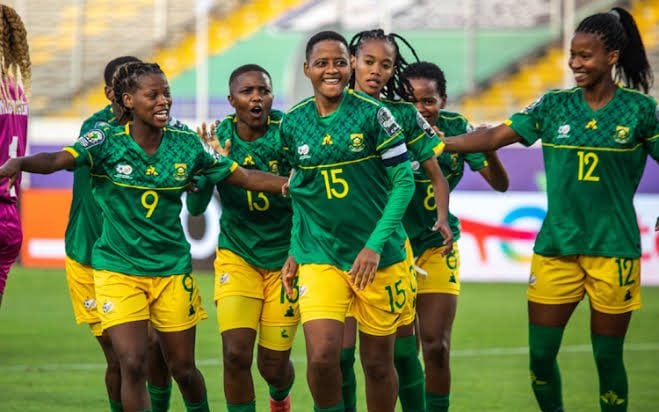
x,y
91,144
528,123
476,161
217,168
422,140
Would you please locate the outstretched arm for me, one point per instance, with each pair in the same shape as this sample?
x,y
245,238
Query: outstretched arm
x,y
482,140
42,163
495,174
256,181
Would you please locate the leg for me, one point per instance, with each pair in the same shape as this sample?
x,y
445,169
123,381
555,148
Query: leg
x,y
377,353
277,370
179,351
237,350
608,335
159,380
129,341
436,312
323,339
546,325
349,381
112,372
411,390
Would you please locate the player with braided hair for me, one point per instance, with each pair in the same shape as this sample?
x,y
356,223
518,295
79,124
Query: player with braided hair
x,y
377,67
595,138
438,290
15,76
142,263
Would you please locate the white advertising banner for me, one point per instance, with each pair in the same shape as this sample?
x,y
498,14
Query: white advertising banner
x,y
498,231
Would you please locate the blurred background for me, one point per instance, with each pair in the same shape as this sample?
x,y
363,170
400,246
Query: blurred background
x,y
498,56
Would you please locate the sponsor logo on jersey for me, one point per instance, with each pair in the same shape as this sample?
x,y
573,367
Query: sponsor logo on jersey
x,y
423,124
248,161
273,166
123,171
592,125
327,140
90,303
563,131
622,135
356,142
151,171
92,138
180,171
303,151
387,121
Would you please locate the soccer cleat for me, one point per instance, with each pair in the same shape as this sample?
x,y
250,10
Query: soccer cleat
x,y
281,406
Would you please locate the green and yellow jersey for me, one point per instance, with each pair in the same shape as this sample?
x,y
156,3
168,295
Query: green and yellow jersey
x,y
594,160
85,221
139,196
254,225
422,212
344,166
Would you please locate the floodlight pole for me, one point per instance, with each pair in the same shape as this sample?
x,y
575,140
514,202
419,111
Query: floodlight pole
x,y
201,56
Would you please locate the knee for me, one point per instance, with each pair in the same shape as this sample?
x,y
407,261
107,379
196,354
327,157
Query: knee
x,y
436,350
132,366
237,358
323,362
377,369
273,369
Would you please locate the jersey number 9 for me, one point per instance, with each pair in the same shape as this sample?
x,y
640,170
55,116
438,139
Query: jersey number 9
x,y
150,201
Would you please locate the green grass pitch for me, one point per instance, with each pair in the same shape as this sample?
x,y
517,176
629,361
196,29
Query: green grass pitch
x,y
47,363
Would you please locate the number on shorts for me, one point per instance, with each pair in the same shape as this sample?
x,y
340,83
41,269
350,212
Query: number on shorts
x,y
397,301
150,201
625,270
284,297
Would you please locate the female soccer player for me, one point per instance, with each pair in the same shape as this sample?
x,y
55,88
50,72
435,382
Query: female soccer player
x,y
142,263
82,231
255,232
350,189
15,76
595,139
377,65
439,288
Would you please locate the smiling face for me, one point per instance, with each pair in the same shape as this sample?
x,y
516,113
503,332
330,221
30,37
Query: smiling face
x,y
150,101
589,61
251,97
328,68
426,98
374,66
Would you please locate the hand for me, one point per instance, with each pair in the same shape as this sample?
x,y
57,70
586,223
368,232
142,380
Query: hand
x,y
364,268
208,137
11,170
197,183
285,189
445,230
439,133
288,273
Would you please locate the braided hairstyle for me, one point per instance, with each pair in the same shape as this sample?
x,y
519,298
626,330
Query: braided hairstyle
x,y
14,51
618,31
397,87
427,70
126,80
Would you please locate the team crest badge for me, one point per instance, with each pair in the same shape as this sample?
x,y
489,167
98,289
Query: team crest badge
x,y
273,165
622,135
180,171
356,142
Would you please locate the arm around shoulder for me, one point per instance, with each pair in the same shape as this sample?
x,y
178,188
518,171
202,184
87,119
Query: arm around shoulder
x,y
256,180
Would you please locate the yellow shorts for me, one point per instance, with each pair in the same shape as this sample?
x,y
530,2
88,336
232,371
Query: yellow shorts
x,y
171,303
250,297
439,274
613,285
326,293
80,279
409,312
